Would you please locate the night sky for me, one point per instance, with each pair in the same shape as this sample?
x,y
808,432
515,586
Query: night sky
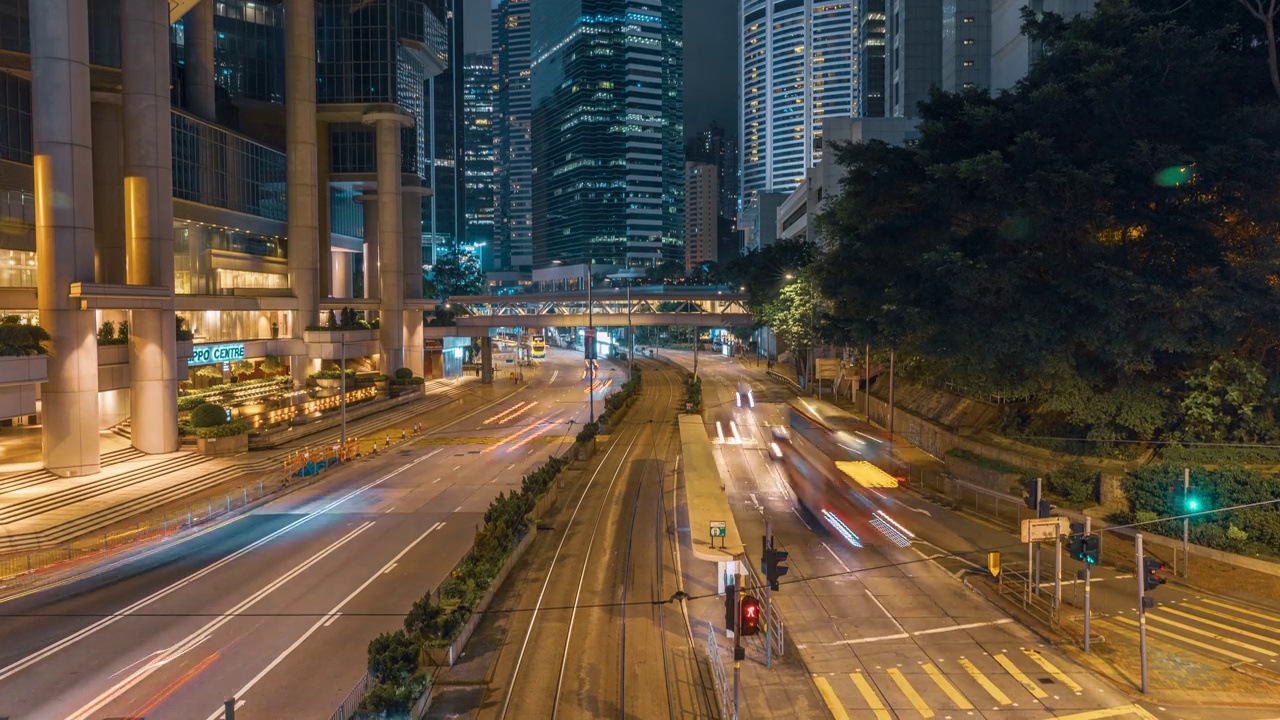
x,y
710,62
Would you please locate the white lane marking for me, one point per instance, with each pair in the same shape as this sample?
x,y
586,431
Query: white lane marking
x,y
837,557
806,522
886,612
327,619
457,468
329,622
433,482
554,375
204,633
39,655
457,508
393,507
931,631
390,568
754,501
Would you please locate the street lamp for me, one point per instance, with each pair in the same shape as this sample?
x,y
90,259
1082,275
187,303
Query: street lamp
x,y
343,385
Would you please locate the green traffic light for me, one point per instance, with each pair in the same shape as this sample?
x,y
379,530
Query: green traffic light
x,y
1193,504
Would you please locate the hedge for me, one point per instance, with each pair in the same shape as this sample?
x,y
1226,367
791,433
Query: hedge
x,y
208,415
17,340
693,394
1155,491
235,427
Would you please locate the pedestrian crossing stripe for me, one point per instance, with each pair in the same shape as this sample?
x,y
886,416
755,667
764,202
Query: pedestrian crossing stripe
x,y
1212,624
1021,677
1217,613
1049,667
830,698
1180,638
1246,611
1121,711
914,697
1206,633
996,693
942,682
869,695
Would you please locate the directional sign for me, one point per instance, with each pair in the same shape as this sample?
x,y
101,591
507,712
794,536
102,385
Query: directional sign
x,y
993,564
827,368
717,528
1044,529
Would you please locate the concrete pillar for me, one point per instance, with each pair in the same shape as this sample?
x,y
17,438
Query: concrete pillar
x,y
411,247
199,61
486,360
369,208
63,175
390,239
300,142
340,269
148,201
324,235
108,189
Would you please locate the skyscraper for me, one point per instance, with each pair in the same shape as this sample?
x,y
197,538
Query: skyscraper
x,y
701,196
966,45
513,194
913,52
871,75
478,149
719,148
608,152
799,65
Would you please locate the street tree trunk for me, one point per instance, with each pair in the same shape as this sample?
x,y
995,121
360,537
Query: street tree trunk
x,y
1265,11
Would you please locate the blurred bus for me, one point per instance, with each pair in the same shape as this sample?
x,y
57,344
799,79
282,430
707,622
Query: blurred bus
x,y
537,347
841,436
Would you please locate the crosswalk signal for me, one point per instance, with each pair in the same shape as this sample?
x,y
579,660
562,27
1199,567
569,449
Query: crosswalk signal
x,y
730,606
1092,549
1150,580
750,615
1031,493
1192,503
776,569
1075,548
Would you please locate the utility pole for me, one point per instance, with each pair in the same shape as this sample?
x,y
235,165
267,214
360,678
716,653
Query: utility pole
x,y
891,353
1140,574
591,364
768,597
343,385
1035,584
631,336
738,652
1088,524
695,351
1186,522
867,375
1057,571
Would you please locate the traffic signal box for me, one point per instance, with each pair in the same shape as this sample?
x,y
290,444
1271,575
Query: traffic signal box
x,y
771,562
1150,580
751,613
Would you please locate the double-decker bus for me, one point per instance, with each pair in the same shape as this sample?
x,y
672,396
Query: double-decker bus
x,y
841,436
537,347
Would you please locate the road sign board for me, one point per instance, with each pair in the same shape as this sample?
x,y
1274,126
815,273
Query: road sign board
x,y
993,563
589,332
1044,529
827,368
717,528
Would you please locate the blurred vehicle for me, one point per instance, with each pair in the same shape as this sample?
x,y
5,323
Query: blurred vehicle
x,y
841,436
745,398
537,347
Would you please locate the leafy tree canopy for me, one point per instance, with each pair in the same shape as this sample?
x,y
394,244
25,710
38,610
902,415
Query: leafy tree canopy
x,y
1101,238
763,272
456,273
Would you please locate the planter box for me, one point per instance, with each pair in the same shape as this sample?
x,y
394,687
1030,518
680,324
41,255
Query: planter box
x,y
335,383
223,446
24,370
449,654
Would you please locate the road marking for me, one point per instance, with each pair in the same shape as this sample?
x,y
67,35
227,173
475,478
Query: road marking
x,y
457,508
837,557
390,567
457,468
910,692
393,507
433,482
830,698
1052,670
886,612
327,619
192,640
1206,633
941,680
1223,626
32,659
329,622
996,693
1242,621
931,631
1031,686
869,695
1189,641
1246,611
554,375
1110,712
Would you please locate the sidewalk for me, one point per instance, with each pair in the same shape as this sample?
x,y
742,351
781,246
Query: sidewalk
x,y
39,509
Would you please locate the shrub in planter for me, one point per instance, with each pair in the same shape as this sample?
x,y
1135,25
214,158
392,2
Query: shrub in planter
x,y
404,374
588,432
395,682
183,335
185,427
208,415
236,427
186,404
18,340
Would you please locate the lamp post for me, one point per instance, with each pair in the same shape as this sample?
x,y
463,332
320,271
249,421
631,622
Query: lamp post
x,y
591,372
631,336
343,385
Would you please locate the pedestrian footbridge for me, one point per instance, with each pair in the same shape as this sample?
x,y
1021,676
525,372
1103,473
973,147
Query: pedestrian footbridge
x,y
613,307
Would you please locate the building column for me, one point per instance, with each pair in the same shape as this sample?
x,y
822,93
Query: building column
x,y
300,142
108,189
486,360
340,268
200,69
63,176
369,211
390,238
148,203
411,247
324,235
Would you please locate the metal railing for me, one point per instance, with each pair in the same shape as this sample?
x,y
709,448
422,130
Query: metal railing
x,y
298,467
723,690
347,710
778,628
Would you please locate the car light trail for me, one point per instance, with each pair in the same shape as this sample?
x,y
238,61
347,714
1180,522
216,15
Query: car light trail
x,y
841,528
895,523
733,426
888,531
515,435
542,430
509,413
173,687
720,431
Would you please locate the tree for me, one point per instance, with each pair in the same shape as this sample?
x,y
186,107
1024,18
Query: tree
x,y
667,271
793,316
1265,11
457,273
1031,243
762,272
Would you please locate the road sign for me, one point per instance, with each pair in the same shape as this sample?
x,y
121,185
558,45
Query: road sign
x,y
589,332
827,368
993,564
1044,529
717,528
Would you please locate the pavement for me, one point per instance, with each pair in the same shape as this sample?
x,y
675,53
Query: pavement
x,y
276,606
886,629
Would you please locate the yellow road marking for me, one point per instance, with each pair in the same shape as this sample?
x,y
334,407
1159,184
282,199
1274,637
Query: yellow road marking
x,y
910,692
829,697
1189,641
1242,621
951,691
1246,611
1052,670
1206,633
1110,712
869,695
996,693
1224,626
1018,675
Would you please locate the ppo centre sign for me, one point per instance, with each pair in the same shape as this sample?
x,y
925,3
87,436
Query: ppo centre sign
x,y
213,354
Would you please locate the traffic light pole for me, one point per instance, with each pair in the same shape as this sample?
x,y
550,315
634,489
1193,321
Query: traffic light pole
x,y
738,652
768,599
1186,522
1057,571
1035,584
1088,522
1140,574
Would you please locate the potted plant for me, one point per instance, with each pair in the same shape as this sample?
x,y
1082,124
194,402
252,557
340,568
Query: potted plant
x,y
218,434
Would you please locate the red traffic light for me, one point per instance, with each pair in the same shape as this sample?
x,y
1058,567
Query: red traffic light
x,y
750,622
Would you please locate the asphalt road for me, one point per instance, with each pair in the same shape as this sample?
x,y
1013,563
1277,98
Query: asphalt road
x,y
578,633
276,607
